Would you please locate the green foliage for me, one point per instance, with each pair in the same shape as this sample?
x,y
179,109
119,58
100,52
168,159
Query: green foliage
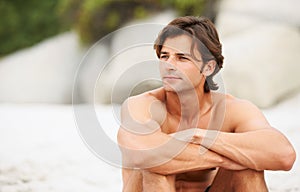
x,y
189,7
24,23
94,19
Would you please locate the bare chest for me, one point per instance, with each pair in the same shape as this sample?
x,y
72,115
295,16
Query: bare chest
x,y
208,121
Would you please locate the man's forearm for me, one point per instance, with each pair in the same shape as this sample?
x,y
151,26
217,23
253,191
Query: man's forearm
x,y
264,149
161,154
200,161
190,159
261,149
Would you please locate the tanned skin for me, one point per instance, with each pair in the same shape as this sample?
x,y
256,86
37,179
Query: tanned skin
x,y
180,138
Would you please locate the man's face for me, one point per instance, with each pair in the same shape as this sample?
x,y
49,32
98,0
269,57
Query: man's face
x,y
178,69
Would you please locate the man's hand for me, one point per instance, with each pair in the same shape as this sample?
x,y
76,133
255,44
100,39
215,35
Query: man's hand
x,y
197,136
187,135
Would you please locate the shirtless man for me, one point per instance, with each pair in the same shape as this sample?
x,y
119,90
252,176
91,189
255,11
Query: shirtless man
x,y
185,137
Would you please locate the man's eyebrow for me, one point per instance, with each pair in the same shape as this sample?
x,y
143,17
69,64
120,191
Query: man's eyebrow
x,y
164,52
183,54
178,54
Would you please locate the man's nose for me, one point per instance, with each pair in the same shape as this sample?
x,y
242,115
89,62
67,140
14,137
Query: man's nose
x,y
171,63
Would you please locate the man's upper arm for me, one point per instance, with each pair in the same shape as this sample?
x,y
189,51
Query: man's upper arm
x,y
136,116
140,138
252,145
248,117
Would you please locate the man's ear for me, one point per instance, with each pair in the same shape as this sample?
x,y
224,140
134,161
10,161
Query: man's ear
x,y
209,68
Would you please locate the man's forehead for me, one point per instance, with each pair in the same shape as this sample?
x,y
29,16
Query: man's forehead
x,y
180,44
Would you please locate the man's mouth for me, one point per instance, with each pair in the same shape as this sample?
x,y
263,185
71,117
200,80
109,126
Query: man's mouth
x,y
171,77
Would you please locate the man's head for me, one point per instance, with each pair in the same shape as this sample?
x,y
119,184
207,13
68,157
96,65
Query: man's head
x,y
205,41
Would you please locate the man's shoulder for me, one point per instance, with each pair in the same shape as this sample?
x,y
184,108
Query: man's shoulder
x,y
146,98
145,106
244,115
234,103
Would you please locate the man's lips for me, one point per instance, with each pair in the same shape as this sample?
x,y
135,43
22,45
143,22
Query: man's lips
x,y
171,77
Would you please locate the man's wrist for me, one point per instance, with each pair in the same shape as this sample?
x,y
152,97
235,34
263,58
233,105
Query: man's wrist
x,y
206,138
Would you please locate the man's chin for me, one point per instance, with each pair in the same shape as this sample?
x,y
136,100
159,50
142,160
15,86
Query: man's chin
x,y
168,88
177,89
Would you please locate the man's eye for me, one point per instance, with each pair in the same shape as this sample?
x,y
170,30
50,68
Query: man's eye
x,y
163,56
183,58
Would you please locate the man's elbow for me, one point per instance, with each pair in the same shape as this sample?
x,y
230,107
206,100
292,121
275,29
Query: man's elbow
x,y
121,137
288,158
135,159
134,162
132,156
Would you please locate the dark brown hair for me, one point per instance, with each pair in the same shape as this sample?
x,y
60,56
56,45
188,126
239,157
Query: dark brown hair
x,y
205,37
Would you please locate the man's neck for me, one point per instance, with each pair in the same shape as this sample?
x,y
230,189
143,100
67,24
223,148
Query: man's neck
x,y
188,105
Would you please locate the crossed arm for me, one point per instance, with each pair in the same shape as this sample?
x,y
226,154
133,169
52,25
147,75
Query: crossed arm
x,y
159,153
145,146
162,154
254,144
264,149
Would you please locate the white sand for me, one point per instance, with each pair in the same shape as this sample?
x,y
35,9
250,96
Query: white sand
x,y
41,150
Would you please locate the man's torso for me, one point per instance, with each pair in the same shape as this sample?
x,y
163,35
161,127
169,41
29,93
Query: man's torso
x,y
193,181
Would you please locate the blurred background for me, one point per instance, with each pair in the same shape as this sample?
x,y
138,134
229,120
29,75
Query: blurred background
x,y
42,49
43,43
